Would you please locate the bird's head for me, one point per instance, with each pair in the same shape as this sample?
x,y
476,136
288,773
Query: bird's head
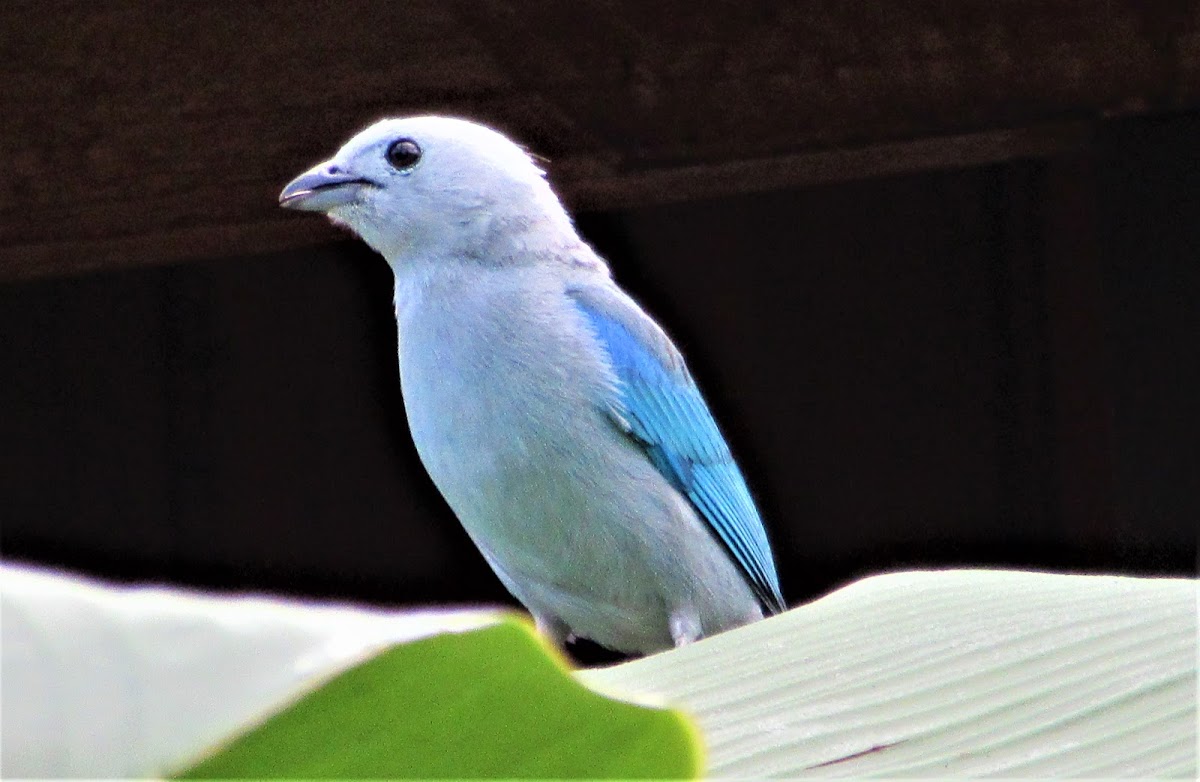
x,y
430,185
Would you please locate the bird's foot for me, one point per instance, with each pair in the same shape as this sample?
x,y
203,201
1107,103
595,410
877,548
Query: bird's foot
x,y
685,628
554,628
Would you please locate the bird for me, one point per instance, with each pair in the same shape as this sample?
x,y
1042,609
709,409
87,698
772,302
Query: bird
x,y
555,416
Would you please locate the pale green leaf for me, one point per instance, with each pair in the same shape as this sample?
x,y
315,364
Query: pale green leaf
x,y
946,674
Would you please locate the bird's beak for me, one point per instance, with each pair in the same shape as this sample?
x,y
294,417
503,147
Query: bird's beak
x,y
322,188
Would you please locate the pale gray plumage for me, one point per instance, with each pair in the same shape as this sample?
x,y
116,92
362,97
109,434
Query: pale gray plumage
x,y
553,414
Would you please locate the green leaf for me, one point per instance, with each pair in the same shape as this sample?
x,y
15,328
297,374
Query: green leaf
x,y
961,673
104,681
946,674
494,702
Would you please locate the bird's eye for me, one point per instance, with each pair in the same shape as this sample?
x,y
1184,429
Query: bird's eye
x,y
403,154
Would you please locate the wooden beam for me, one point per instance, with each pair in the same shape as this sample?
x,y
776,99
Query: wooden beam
x,y
287,230
163,132
729,177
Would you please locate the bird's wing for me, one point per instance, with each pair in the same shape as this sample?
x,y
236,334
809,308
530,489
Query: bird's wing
x,y
658,404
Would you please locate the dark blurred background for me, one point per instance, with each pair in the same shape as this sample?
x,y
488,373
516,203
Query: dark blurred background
x,y
935,266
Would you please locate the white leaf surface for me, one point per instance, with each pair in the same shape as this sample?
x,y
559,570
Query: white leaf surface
x,y
103,681
946,674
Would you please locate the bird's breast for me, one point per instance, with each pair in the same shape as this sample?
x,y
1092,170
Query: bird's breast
x,y
502,387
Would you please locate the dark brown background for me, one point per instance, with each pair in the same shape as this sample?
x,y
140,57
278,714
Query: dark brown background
x,y
935,267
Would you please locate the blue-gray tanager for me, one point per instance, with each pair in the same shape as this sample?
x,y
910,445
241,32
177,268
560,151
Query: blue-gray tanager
x,y
556,418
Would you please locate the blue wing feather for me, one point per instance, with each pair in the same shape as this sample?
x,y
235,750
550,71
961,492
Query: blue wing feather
x,y
664,411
